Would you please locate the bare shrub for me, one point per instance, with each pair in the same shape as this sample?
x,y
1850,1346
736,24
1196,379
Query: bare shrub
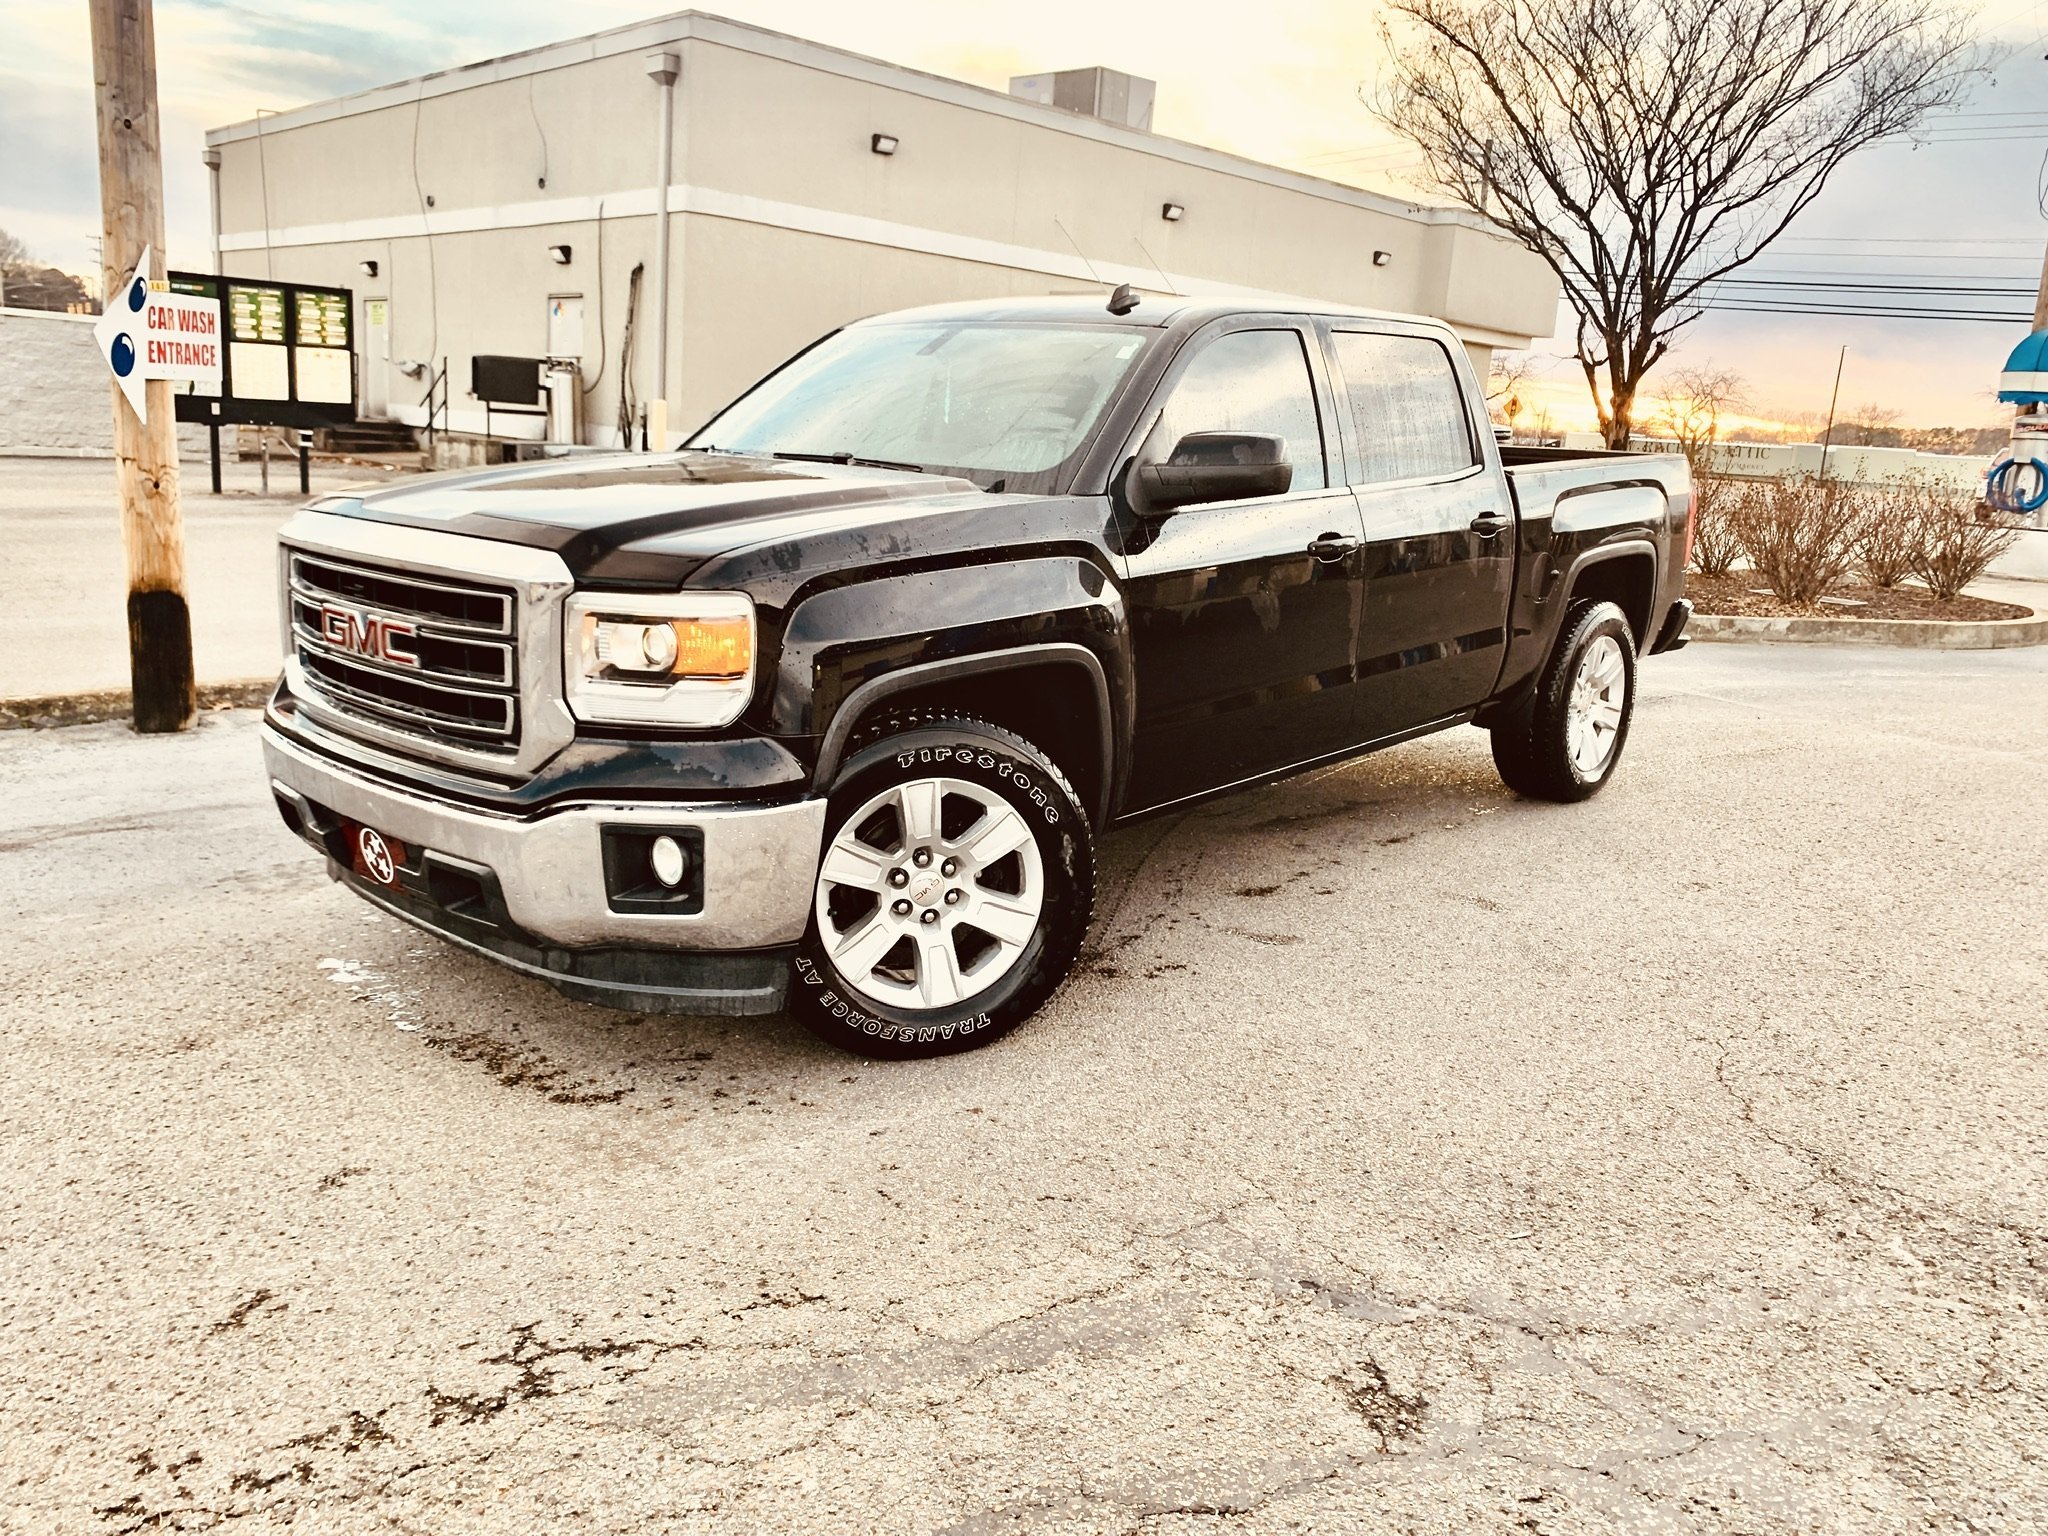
x,y
1800,533
1715,548
1958,538
1888,532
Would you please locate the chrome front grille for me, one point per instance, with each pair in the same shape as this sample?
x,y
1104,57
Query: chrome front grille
x,y
435,656
419,643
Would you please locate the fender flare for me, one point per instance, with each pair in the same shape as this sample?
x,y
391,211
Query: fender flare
x,y
832,746
1618,550
1557,600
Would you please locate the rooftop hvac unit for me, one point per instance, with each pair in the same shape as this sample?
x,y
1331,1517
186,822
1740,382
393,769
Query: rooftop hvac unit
x,y
1109,94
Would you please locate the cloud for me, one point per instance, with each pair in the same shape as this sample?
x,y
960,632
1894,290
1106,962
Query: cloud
x,y
47,142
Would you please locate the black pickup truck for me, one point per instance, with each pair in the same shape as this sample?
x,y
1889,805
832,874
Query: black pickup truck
x,y
826,710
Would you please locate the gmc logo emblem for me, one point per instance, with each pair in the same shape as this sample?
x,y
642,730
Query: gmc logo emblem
x,y
348,629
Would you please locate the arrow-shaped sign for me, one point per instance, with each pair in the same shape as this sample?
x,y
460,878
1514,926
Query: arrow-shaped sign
x,y
120,331
148,332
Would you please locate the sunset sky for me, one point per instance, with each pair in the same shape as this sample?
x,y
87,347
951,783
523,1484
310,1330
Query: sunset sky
x,y
1280,83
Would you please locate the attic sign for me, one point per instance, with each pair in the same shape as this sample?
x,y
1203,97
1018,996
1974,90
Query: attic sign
x,y
148,332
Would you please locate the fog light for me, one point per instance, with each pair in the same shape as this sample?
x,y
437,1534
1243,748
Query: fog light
x,y
669,861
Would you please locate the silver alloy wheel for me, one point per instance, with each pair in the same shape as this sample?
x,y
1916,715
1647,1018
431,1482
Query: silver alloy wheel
x,y
950,915
1593,719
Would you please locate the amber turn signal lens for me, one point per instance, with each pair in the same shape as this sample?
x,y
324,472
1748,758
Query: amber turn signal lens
x,y
715,647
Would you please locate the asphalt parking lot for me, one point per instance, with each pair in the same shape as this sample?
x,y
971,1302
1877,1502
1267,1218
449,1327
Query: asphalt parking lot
x,y
1407,1158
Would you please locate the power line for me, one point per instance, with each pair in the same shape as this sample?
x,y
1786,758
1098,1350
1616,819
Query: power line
x,y
1763,304
1887,256
1765,282
1826,312
2027,240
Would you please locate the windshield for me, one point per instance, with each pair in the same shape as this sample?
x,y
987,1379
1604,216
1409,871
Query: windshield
x,y
1006,406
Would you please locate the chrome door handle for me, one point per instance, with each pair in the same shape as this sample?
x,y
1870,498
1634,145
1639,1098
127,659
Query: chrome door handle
x,y
1487,524
1334,546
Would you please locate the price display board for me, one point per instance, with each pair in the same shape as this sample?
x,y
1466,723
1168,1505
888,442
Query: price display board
x,y
290,355
323,369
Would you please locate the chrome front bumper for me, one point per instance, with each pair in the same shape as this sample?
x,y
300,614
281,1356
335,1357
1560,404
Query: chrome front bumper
x,y
759,864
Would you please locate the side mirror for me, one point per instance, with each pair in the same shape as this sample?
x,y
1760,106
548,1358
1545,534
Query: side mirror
x,y
1214,466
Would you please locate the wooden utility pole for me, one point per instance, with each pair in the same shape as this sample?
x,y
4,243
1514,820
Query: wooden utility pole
x,y
2041,300
145,456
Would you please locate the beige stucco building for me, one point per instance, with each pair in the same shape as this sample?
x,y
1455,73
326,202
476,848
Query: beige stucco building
x,y
502,208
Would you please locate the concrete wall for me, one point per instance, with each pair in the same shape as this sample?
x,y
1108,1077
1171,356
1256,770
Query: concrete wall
x,y
783,223
1858,466
56,395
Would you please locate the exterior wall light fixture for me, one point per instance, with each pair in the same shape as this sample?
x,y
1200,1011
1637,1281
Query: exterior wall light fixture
x,y
1382,258
882,143
1173,213
367,268
559,255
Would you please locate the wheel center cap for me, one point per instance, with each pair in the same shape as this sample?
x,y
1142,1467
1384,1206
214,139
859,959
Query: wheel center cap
x,y
925,888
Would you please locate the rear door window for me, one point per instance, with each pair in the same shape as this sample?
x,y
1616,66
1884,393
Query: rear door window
x,y
1407,406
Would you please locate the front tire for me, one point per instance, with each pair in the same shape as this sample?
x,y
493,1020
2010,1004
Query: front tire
x,y
953,894
1563,743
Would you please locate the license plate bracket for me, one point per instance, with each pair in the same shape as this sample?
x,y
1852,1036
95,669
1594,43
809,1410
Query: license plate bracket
x,y
373,856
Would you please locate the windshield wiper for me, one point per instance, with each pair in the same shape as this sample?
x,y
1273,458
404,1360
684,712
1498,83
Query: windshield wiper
x,y
843,457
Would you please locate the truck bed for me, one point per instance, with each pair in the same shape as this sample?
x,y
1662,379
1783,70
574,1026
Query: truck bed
x,y
1541,477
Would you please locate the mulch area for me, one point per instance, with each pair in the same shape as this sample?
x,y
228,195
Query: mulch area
x,y
91,708
1733,594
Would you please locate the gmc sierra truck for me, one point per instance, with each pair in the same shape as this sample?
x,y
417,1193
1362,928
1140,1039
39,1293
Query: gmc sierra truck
x,y
826,710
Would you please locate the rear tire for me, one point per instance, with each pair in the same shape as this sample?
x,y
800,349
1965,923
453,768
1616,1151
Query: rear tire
x,y
953,893
1563,743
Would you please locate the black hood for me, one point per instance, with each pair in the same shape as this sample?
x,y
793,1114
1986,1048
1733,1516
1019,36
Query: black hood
x,y
590,509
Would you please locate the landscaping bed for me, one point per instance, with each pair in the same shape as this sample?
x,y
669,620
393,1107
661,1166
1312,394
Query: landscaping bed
x,y
1736,594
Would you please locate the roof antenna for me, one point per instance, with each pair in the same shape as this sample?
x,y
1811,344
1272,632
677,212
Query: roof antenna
x,y
1121,302
1092,273
1157,268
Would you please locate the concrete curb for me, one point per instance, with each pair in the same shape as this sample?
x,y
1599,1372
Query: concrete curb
x,y
54,709
1925,634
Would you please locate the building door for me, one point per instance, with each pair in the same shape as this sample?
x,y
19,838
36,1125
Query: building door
x,y
376,359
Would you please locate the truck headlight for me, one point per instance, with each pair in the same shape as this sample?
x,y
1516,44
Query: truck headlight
x,y
684,658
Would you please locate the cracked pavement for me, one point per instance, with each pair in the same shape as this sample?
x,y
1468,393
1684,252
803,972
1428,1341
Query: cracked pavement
x,y
1405,1158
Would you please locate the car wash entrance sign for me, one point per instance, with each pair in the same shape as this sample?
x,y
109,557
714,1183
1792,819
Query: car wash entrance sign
x,y
149,332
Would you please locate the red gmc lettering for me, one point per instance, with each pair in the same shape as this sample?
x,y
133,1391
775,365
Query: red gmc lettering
x,y
366,635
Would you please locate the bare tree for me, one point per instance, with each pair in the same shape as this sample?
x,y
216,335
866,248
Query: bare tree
x,y
1694,402
1868,426
1504,381
26,283
1647,148
14,253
